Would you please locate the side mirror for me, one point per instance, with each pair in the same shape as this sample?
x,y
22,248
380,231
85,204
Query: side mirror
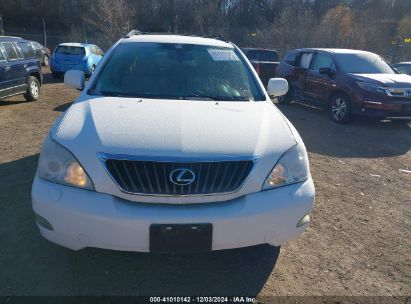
x,y
277,87
75,79
327,71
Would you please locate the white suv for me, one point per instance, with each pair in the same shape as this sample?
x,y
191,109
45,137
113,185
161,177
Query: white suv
x,y
173,145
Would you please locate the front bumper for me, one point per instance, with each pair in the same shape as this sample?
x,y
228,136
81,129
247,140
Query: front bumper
x,y
377,106
82,218
60,68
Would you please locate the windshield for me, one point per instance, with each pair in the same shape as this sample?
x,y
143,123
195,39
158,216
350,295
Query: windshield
x,y
70,50
176,71
363,63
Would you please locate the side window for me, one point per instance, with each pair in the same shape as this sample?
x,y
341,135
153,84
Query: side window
x,y
291,59
404,69
11,50
305,60
2,57
26,49
321,60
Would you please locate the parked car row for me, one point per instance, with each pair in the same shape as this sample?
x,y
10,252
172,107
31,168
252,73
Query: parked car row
x,y
347,83
21,60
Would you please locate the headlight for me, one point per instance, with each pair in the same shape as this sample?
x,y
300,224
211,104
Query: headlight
x,y
372,88
290,169
58,165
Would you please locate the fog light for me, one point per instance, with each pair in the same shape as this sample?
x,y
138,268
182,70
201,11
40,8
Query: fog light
x,y
304,220
41,221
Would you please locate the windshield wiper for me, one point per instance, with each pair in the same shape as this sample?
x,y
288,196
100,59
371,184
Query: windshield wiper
x,y
153,96
137,95
215,98
198,97
115,94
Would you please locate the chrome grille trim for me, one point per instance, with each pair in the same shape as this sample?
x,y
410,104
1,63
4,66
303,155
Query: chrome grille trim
x,y
136,170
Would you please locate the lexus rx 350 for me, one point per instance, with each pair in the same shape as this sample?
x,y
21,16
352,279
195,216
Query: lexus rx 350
x,y
173,145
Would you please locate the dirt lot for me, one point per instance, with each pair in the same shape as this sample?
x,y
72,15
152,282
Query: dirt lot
x,y
358,242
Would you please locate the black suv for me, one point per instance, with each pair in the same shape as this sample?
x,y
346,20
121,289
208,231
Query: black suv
x,y
42,53
19,69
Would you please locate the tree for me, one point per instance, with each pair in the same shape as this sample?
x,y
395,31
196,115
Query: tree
x,y
111,19
337,28
404,27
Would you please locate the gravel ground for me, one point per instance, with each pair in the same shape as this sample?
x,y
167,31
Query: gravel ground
x,y
358,243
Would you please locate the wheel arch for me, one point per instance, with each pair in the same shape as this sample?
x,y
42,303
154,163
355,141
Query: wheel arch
x,y
37,75
338,91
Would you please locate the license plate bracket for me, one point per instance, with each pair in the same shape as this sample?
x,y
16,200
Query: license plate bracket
x,y
181,238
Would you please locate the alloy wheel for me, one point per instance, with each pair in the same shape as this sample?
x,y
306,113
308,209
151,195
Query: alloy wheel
x,y
34,88
339,109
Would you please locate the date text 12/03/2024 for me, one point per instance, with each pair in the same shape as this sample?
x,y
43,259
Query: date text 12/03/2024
x,y
235,299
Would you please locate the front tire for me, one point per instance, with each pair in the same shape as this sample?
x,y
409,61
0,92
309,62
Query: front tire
x,y
92,69
46,60
340,108
33,89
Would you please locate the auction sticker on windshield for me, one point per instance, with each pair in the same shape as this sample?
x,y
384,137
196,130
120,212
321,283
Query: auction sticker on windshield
x,y
223,55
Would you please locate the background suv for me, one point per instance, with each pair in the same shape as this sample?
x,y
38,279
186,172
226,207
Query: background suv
x,y
42,53
19,69
75,56
347,83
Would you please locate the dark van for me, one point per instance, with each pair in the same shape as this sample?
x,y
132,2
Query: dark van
x,y
20,71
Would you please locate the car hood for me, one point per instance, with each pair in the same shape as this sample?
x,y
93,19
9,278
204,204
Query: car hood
x,y
386,80
172,128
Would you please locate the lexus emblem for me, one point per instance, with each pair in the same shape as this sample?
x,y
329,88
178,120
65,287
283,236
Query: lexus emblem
x,y
182,177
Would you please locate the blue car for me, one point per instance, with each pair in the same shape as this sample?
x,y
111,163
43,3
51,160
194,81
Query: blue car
x,y
75,56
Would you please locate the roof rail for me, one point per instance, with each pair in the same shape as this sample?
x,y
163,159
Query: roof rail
x,y
133,33
137,32
217,37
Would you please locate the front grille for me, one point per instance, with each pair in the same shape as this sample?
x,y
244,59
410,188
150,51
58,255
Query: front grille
x,y
153,178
